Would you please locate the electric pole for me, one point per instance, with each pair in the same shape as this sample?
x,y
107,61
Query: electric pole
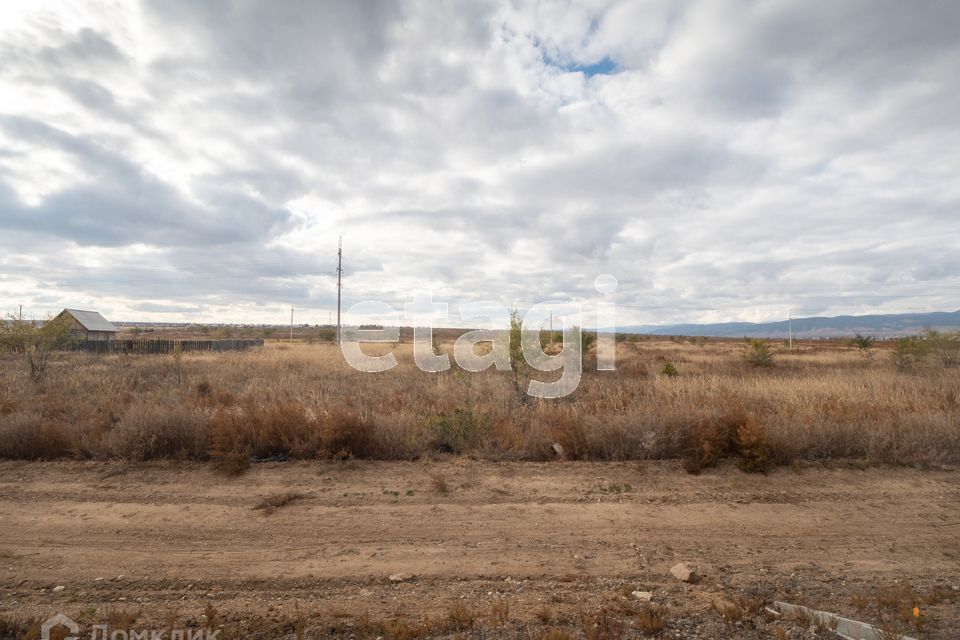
x,y
791,332
21,313
291,323
339,282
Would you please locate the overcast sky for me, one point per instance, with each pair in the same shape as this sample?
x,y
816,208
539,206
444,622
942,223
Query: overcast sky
x,y
183,160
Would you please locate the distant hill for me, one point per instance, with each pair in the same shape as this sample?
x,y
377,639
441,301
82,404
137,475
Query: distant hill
x,y
890,325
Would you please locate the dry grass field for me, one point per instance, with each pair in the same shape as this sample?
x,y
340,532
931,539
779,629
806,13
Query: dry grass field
x,y
271,494
819,401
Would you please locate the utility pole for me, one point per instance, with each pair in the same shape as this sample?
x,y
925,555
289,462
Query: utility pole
x,y
291,323
21,313
791,332
339,282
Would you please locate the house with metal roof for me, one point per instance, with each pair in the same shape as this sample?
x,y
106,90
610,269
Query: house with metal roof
x,y
88,325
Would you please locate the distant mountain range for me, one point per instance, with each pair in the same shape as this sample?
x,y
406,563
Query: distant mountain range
x,y
890,325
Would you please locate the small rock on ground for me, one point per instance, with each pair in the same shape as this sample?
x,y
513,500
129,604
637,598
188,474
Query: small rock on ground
x,y
685,572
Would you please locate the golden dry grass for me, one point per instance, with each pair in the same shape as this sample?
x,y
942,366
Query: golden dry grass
x,y
817,402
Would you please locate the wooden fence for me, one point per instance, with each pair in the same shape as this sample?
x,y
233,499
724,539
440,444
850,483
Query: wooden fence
x,y
163,346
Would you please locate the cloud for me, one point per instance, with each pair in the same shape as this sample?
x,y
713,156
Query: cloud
x,y
724,160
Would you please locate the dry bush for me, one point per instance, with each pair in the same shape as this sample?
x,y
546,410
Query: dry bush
x,y
709,440
752,447
159,430
229,450
203,389
346,434
28,436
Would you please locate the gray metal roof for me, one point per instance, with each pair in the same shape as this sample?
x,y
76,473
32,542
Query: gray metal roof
x,y
91,320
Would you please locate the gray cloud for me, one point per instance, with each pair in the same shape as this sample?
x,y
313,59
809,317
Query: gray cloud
x,y
741,160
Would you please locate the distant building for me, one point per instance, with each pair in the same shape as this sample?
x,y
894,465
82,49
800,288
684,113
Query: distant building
x,y
88,325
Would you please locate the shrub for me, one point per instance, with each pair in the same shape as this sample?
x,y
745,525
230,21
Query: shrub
x,y
945,347
229,450
864,344
707,442
753,447
160,430
28,436
458,431
758,353
735,433
347,434
903,355
587,340
204,389
669,371
34,342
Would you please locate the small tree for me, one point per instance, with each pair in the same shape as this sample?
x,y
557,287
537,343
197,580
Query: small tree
x,y
587,340
906,352
517,361
944,346
864,344
34,342
758,353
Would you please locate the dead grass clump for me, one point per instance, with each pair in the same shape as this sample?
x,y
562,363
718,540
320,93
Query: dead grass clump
x,y
460,617
159,430
600,625
28,436
347,434
439,484
203,389
398,629
554,633
566,428
8,406
229,449
651,618
499,613
544,615
270,504
740,608
23,627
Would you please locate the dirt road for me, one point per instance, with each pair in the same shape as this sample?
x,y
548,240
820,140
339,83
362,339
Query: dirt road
x,y
562,544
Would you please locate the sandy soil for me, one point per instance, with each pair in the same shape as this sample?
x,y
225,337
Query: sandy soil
x,y
562,544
